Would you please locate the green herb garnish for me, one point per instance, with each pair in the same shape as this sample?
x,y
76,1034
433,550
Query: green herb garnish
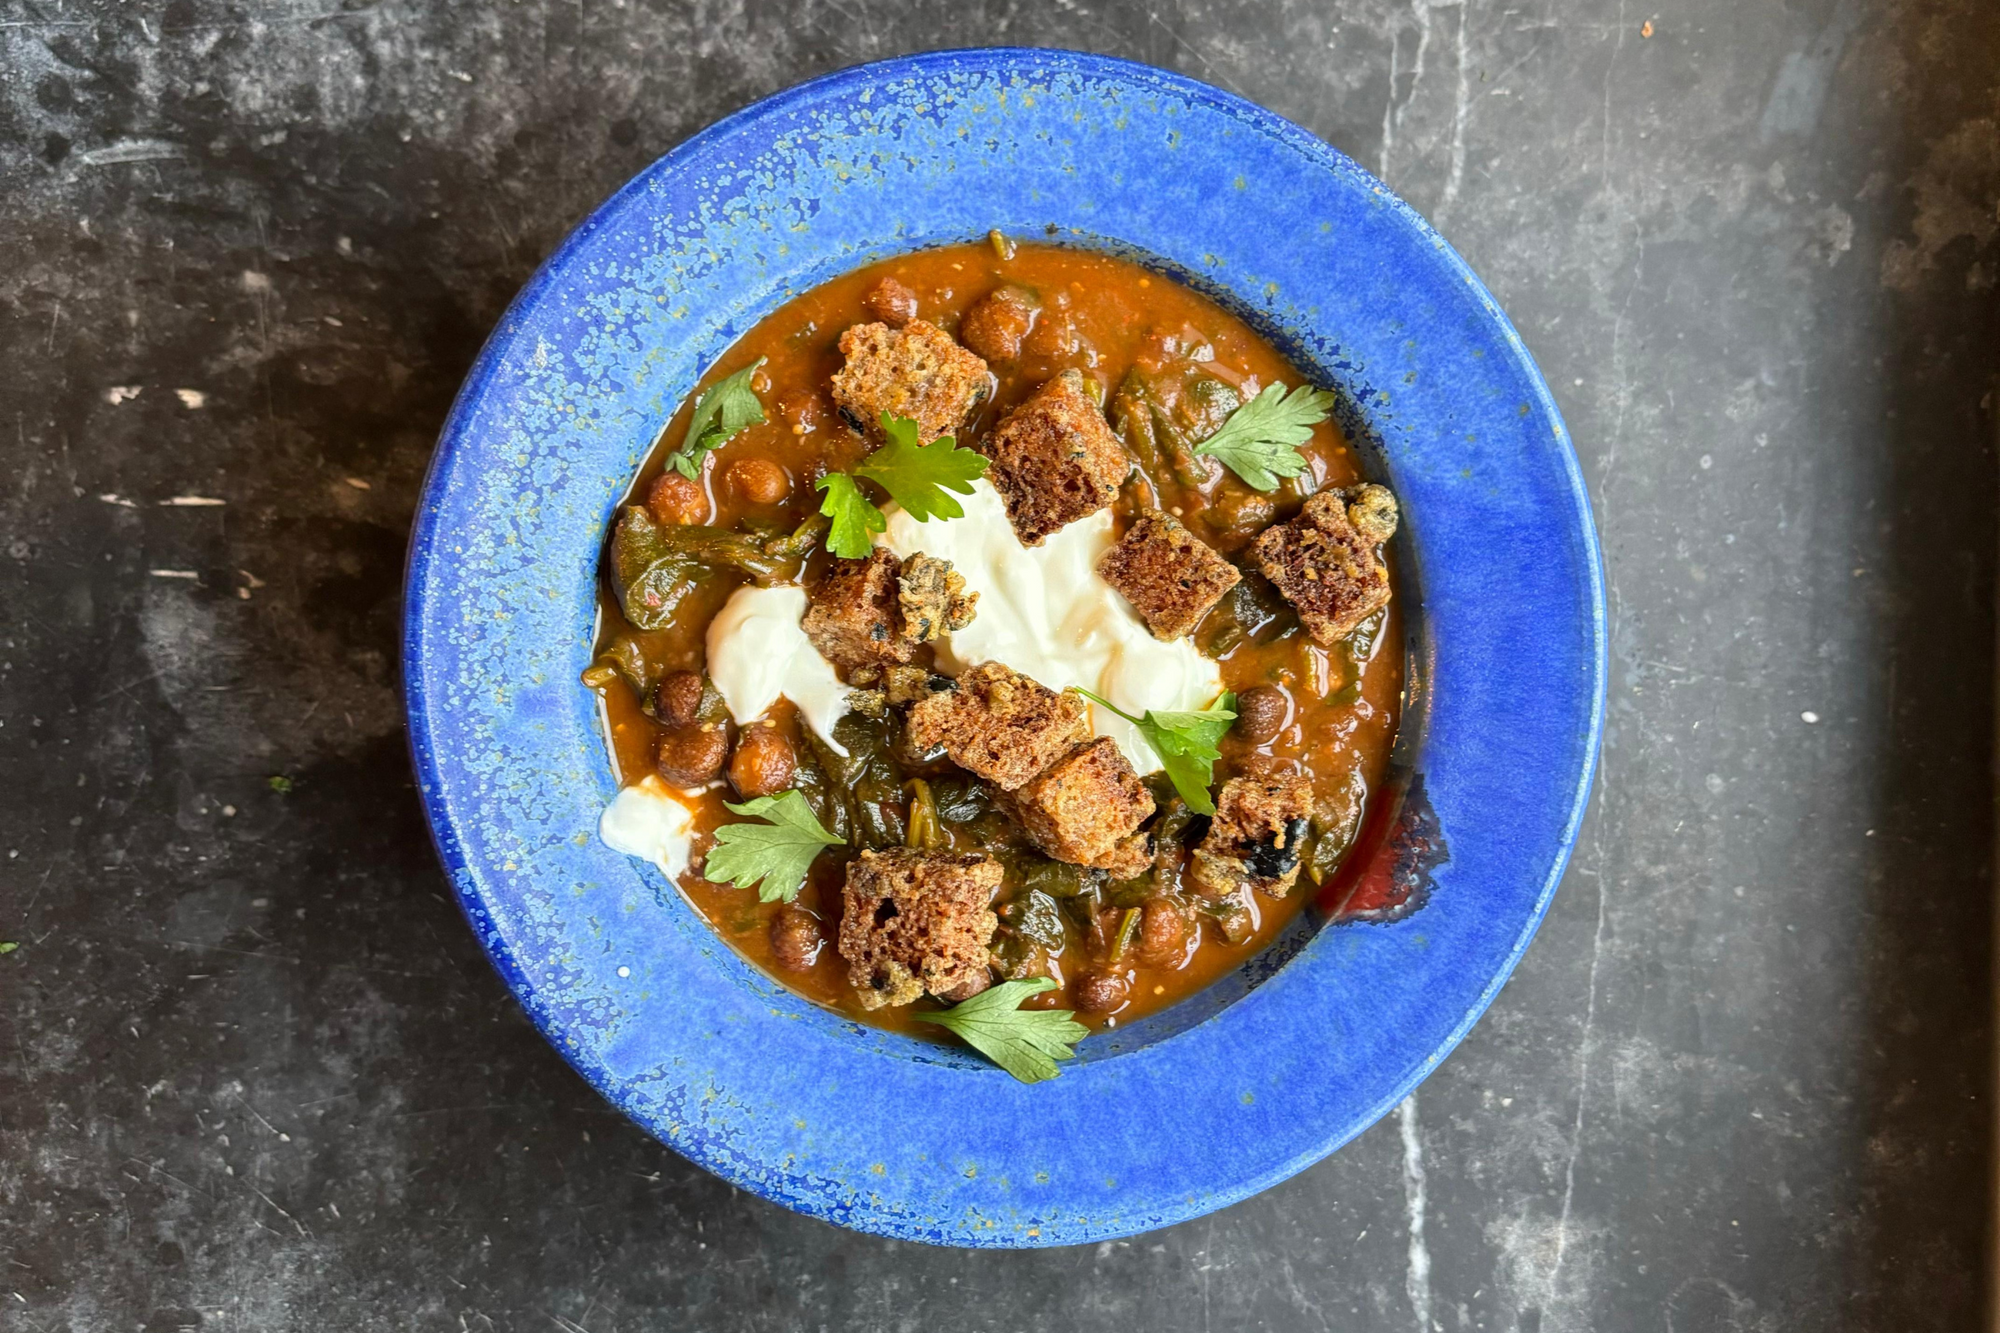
x,y
916,475
723,409
855,517
1186,742
773,856
8,946
1259,440
1024,1042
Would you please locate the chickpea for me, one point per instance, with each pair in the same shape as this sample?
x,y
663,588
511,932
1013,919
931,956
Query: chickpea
x,y
1260,714
1098,992
758,481
890,302
763,764
997,322
804,411
968,988
795,938
690,756
677,699
676,499
1163,932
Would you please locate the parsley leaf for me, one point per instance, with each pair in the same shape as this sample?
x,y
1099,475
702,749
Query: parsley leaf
x,y
917,475
1259,442
855,517
1024,1042
723,409
777,853
1187,743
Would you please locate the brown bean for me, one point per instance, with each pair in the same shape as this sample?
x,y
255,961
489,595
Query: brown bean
x,y
1260,714
891,302
805,410
1053,338
677,699
795,938
997,322
677,499
1163,932
968,988
691,756
1098,992
758,481
763,763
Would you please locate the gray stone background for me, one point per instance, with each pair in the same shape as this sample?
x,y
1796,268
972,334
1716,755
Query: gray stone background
x,y
254,1074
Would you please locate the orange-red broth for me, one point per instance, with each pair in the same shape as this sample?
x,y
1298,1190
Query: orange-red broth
x,y
1101,315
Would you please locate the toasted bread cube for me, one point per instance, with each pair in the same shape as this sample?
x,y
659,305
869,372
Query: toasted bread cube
x,y
1170,576
931,599
1086,809
1254,839
917,922
998,724
852,617
916,371
1054,460
905,685
1326,561
872,612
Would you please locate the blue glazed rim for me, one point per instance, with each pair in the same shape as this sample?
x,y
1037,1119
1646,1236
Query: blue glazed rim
x,y
1223,1095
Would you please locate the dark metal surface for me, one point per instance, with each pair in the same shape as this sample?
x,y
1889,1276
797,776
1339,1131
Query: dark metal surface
x,y
254,1073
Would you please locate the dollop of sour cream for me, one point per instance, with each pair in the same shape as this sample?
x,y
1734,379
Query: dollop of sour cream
x,y
757,653
648,821
1045,612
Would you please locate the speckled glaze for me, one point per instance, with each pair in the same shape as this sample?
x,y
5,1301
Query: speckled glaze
x,y
1224,1095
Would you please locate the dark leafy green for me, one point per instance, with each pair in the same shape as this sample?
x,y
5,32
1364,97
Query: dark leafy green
x,y
1162,415
924,831
653,565
959,800
867,780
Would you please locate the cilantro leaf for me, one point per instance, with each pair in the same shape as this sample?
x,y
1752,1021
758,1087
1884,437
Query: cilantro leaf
x,y
917,475
1259,441
1187,742
855,517
773,856
1024,1042
724,408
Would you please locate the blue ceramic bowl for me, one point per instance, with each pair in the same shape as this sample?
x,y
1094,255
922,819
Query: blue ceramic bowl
x,y
1227,1093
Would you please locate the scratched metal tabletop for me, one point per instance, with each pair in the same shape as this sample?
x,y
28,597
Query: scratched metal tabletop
x,y
255,1074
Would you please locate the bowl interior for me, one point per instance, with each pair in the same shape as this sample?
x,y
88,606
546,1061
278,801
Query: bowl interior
x,y
1263,1072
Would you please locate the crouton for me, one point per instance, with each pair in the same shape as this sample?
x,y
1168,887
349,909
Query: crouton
x,y
998,724
916,371
917,922
1254,839
905,685
1086,809
1170,576
869,613
931,599
852,618
1326,561
1054,460
998,321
